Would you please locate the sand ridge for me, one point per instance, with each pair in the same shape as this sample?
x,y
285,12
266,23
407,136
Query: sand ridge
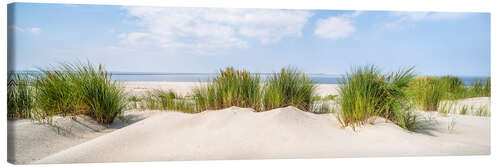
x,y
241,133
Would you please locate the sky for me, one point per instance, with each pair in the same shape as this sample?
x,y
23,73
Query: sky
x,y
202,40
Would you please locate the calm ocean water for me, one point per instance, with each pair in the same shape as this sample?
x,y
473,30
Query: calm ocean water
x,y
179,77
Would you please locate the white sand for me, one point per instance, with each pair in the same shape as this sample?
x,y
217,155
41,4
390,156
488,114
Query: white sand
x,y
185,88
29,141
239,133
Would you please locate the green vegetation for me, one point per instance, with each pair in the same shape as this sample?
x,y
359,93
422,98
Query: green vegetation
x,y
103,98
482,111
230,88
68,89
241,88
56,93
427,92
326,98
162,100
288,88
481,88
365,93
20,101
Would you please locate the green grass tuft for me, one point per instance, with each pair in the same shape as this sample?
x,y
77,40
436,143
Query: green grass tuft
x,y
104,98
481,88
71,89
288,88
20,100
230,88
427,92
365,93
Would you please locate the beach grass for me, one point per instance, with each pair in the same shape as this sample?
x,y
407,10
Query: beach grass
x,y
230,87
481,88
104,98
20,100
56,93
163,100
71,89
289,87
427,92
365,93
482,111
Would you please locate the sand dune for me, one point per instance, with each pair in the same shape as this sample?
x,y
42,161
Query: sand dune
x,y
240,133
28,141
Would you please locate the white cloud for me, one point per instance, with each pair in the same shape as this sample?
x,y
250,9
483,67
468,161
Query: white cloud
x,y
408,18
336,27
200,28
34,30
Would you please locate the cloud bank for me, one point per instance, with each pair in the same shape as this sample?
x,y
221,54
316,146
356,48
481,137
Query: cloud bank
x,y
201,28
336,27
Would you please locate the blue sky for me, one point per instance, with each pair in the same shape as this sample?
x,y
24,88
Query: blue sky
x,y
163,39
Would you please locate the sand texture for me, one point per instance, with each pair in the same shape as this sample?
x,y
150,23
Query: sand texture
x,y
240,133
28,141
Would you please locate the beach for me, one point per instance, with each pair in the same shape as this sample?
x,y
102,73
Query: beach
x,y
185,88
240,133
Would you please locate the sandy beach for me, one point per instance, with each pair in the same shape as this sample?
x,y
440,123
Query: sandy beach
x,y
240,133
185,88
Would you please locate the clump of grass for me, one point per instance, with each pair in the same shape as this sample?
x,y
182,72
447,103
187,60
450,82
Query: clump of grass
x,y
79,89
167,100
324,107
56,92
326,98
427,92
290,87
230,88
453,88
464,110
20,100
446,107
104,98
365,93
134,102
481,88
482,111
451,83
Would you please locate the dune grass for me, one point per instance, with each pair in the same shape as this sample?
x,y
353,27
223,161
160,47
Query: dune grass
x,y
288,88
162,100
427,92
70,89
229,88
481,88
453,88
20,100
56,93
365,93
103,98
